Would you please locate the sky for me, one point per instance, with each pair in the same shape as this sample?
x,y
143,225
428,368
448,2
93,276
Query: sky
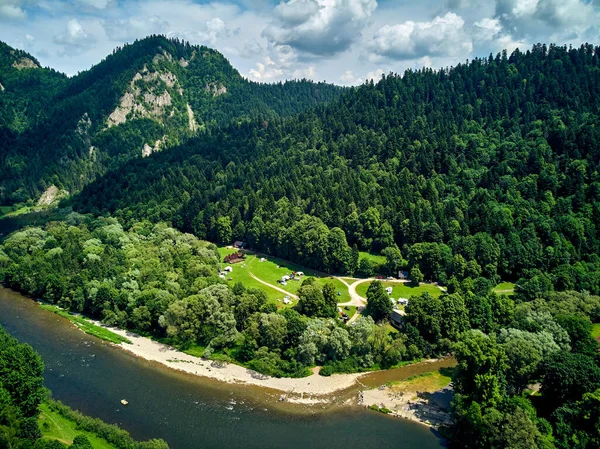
x,y
338,41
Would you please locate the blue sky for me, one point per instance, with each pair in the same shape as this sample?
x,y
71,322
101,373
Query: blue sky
x,y
340,41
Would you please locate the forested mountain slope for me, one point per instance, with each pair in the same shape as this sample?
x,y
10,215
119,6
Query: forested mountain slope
x,y
145,97
489,168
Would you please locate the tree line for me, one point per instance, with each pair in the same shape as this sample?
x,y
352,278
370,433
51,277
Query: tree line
x,y
485,169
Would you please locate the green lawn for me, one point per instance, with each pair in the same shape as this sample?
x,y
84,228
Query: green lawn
x,y
426,382
241,274
505,287
56,427
87,327
339,288
351,312
271,270
401,290
226,251
376,259
596,331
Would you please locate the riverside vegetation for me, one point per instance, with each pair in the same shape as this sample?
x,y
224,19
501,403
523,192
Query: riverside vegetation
x,y
23,397
464,176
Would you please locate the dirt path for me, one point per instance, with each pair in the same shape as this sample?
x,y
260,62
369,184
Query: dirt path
x,y
356,299
285,292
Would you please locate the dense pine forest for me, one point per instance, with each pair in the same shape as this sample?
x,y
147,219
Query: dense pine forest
x,y
489,168
157,92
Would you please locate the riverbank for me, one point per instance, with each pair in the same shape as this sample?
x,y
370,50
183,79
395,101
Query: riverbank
x,y
356,389
314,389
92,376
424,398
347,390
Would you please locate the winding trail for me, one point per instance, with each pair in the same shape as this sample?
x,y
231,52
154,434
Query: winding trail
x,y
285,292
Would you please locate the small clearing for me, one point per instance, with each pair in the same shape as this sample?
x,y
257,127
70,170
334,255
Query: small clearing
x,y
505,287
54,426
402,290
596,331
51,194
424,398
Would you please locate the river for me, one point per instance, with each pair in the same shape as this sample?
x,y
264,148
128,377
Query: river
x,y
188,412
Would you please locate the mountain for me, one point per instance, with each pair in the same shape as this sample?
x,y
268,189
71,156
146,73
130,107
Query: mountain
x,y
148,96
490,168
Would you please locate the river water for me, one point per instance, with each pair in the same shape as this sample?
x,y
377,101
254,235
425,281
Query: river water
x,y
187,411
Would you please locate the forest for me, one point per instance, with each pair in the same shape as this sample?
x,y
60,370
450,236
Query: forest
x,y
163,283
465,176
486,169
59,131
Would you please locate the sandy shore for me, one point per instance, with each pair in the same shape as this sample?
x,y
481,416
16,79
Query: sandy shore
x,y
306,390
312,390
432,410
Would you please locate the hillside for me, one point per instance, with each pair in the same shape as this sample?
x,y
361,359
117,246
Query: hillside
x,y
489,168
145,97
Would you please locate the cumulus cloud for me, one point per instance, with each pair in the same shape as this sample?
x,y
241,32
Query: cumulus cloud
x,y
523,17
212,32
349,79
126,30
319,27
281,63
443,36
98,4
251,49
75,38
490,31
266,71
11,9
486,29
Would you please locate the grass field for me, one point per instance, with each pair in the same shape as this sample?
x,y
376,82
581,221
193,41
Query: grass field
x,y
56,427
87,327
270,271
401,290
424,383
596,331
505,287
351,312
376,259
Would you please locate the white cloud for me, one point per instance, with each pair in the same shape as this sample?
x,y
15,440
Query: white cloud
x,y
490,31
266,71
443,36
320,27
308,72
75,38
252,48
555,17
296,12
272,40
127,30
486,29
98,4
349,79
11,9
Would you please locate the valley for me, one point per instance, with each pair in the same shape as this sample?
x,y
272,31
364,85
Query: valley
x,y
212,253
